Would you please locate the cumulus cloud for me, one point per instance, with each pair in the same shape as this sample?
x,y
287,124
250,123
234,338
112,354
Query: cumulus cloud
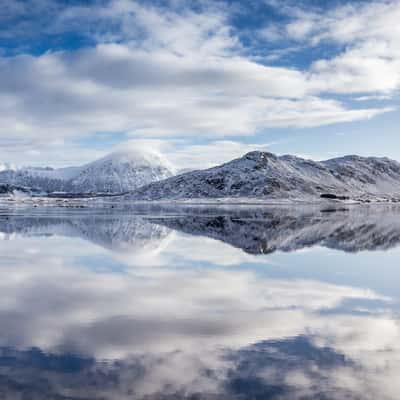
x,y
196,156
155,308
367,35
174,321
116,88
169,71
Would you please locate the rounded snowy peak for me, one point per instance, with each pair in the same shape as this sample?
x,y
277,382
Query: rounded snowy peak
x,y
138,157
121,171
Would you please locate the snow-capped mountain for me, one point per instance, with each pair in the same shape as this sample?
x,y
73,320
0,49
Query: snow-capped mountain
x,y
266,230
254,230
263,175
118,172
119,232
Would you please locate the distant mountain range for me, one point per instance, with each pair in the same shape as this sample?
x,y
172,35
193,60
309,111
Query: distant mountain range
x,y
121,233
263,175
266,230
253,230
119,172
259,176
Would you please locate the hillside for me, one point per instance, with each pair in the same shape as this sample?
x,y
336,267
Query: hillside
x,y
262,175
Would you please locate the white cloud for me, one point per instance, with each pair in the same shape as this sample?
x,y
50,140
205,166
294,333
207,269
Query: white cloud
x,y
182,311
186,318
373,97
370,37
239,306
211,154
114,88
196,156
367,68
175,72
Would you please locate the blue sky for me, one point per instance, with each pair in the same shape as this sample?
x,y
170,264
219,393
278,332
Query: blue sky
x,y
201,81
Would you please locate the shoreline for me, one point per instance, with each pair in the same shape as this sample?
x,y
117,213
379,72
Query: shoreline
x,y
104,201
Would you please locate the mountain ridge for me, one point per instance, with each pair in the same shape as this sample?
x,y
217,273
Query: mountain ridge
x,y
264,175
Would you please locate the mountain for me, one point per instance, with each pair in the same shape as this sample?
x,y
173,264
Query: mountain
x,y
266,230
263,175
254,230
7,189
118,172
121,233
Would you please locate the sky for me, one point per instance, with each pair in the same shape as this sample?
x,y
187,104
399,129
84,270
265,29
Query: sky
x,y
201,81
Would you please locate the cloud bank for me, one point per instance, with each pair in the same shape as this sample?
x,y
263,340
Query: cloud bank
x,y
177,71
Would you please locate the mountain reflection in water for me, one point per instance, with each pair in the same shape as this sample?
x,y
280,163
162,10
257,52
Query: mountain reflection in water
x,y
186,304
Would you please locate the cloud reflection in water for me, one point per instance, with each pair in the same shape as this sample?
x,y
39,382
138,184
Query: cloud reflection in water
x,y
177,321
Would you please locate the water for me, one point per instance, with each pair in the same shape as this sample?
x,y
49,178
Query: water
x,y
188,303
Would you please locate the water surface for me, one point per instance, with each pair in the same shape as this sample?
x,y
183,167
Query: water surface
x,y
256,303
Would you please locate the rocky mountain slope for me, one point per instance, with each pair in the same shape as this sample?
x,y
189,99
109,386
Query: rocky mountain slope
x,y
263,175
290,229
255,231
118,172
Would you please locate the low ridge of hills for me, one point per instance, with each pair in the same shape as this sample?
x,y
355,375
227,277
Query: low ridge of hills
x,y
263,175
258,175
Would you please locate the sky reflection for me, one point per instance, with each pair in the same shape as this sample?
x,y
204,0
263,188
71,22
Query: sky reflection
x,y
134,306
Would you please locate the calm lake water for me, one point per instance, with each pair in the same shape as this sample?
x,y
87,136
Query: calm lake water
x,y
190,303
